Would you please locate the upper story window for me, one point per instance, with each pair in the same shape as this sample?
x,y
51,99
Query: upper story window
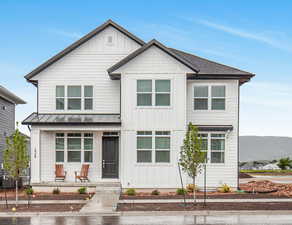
x,y
74,97
153,92
88,97
218,97
209,97
77,97
60,97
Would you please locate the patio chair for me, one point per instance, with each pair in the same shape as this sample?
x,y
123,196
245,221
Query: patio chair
x,y
83,175
60,174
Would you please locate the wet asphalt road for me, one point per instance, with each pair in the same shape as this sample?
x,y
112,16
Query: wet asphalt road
x,y
148,220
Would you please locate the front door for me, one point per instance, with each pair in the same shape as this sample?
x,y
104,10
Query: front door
x,y
110,157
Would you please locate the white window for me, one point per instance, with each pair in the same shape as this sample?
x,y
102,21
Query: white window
x,y
201,97
162,92
217,148
218,97
153,147
77,97
74,147
214,146
204,144
144,92
60,147
144,146
209,97
153,92
88,97
60,97
74,97
88,147
162,146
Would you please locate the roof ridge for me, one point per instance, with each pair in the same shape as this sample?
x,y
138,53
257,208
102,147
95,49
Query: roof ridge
x,y
210,60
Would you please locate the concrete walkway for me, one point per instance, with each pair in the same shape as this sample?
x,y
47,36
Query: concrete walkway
x,y
207,200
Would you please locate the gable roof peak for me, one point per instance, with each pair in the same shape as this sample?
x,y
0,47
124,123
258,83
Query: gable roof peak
x,y
79,42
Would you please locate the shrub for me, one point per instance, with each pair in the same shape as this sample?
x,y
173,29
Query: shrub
x,y
28,191
284,163
155,192
56,191
181,191
131,192
82,190
190,188
224,188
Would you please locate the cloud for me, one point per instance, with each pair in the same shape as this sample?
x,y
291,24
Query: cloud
x,y
73,35
265,39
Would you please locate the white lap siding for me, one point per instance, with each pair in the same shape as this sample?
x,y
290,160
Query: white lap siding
x,y
218,174
87,65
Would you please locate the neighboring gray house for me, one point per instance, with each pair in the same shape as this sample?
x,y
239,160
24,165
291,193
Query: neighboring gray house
x,y
8,100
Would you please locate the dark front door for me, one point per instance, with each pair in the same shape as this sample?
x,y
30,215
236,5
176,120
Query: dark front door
x,y
110,157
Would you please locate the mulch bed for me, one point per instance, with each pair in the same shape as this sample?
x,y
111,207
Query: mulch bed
x,y
45,196
43,208
244,175
220,206
232,195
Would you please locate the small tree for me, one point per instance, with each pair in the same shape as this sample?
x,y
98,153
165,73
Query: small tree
x,y
285,163
191,156
16,159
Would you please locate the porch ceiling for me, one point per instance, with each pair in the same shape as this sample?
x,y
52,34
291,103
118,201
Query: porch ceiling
x,y
73,119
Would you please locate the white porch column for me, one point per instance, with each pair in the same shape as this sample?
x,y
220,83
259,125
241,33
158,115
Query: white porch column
x,y
35,155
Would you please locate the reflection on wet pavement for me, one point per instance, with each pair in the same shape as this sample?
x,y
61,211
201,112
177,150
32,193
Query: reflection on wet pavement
x,y
149,220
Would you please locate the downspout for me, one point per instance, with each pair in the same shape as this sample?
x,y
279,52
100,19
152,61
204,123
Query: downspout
x,y
238,103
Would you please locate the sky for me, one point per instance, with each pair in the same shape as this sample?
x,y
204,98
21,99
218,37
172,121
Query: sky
x,y
248,34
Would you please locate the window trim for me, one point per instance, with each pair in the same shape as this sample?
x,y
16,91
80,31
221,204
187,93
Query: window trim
x,y
209,147
153,150
66,98
82,150
209,85
153,94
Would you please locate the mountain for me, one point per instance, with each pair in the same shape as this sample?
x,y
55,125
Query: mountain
x,y
253,148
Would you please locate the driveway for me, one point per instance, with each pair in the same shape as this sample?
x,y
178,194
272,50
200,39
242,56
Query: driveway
x,y
149,220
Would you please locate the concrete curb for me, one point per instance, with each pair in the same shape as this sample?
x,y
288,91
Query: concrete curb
x,y
131,201
205,213
149,213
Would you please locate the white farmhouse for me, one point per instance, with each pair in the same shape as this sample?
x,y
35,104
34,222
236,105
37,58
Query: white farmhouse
x,y
121,106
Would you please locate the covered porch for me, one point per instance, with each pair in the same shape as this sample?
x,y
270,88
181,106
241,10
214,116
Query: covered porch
x,y
72,141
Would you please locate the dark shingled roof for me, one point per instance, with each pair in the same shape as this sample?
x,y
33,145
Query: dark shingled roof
x,y
72,119
203,68
208,67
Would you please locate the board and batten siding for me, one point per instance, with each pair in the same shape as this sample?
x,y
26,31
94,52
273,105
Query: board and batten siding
x,y
87,65
218,174
7,123
152,64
